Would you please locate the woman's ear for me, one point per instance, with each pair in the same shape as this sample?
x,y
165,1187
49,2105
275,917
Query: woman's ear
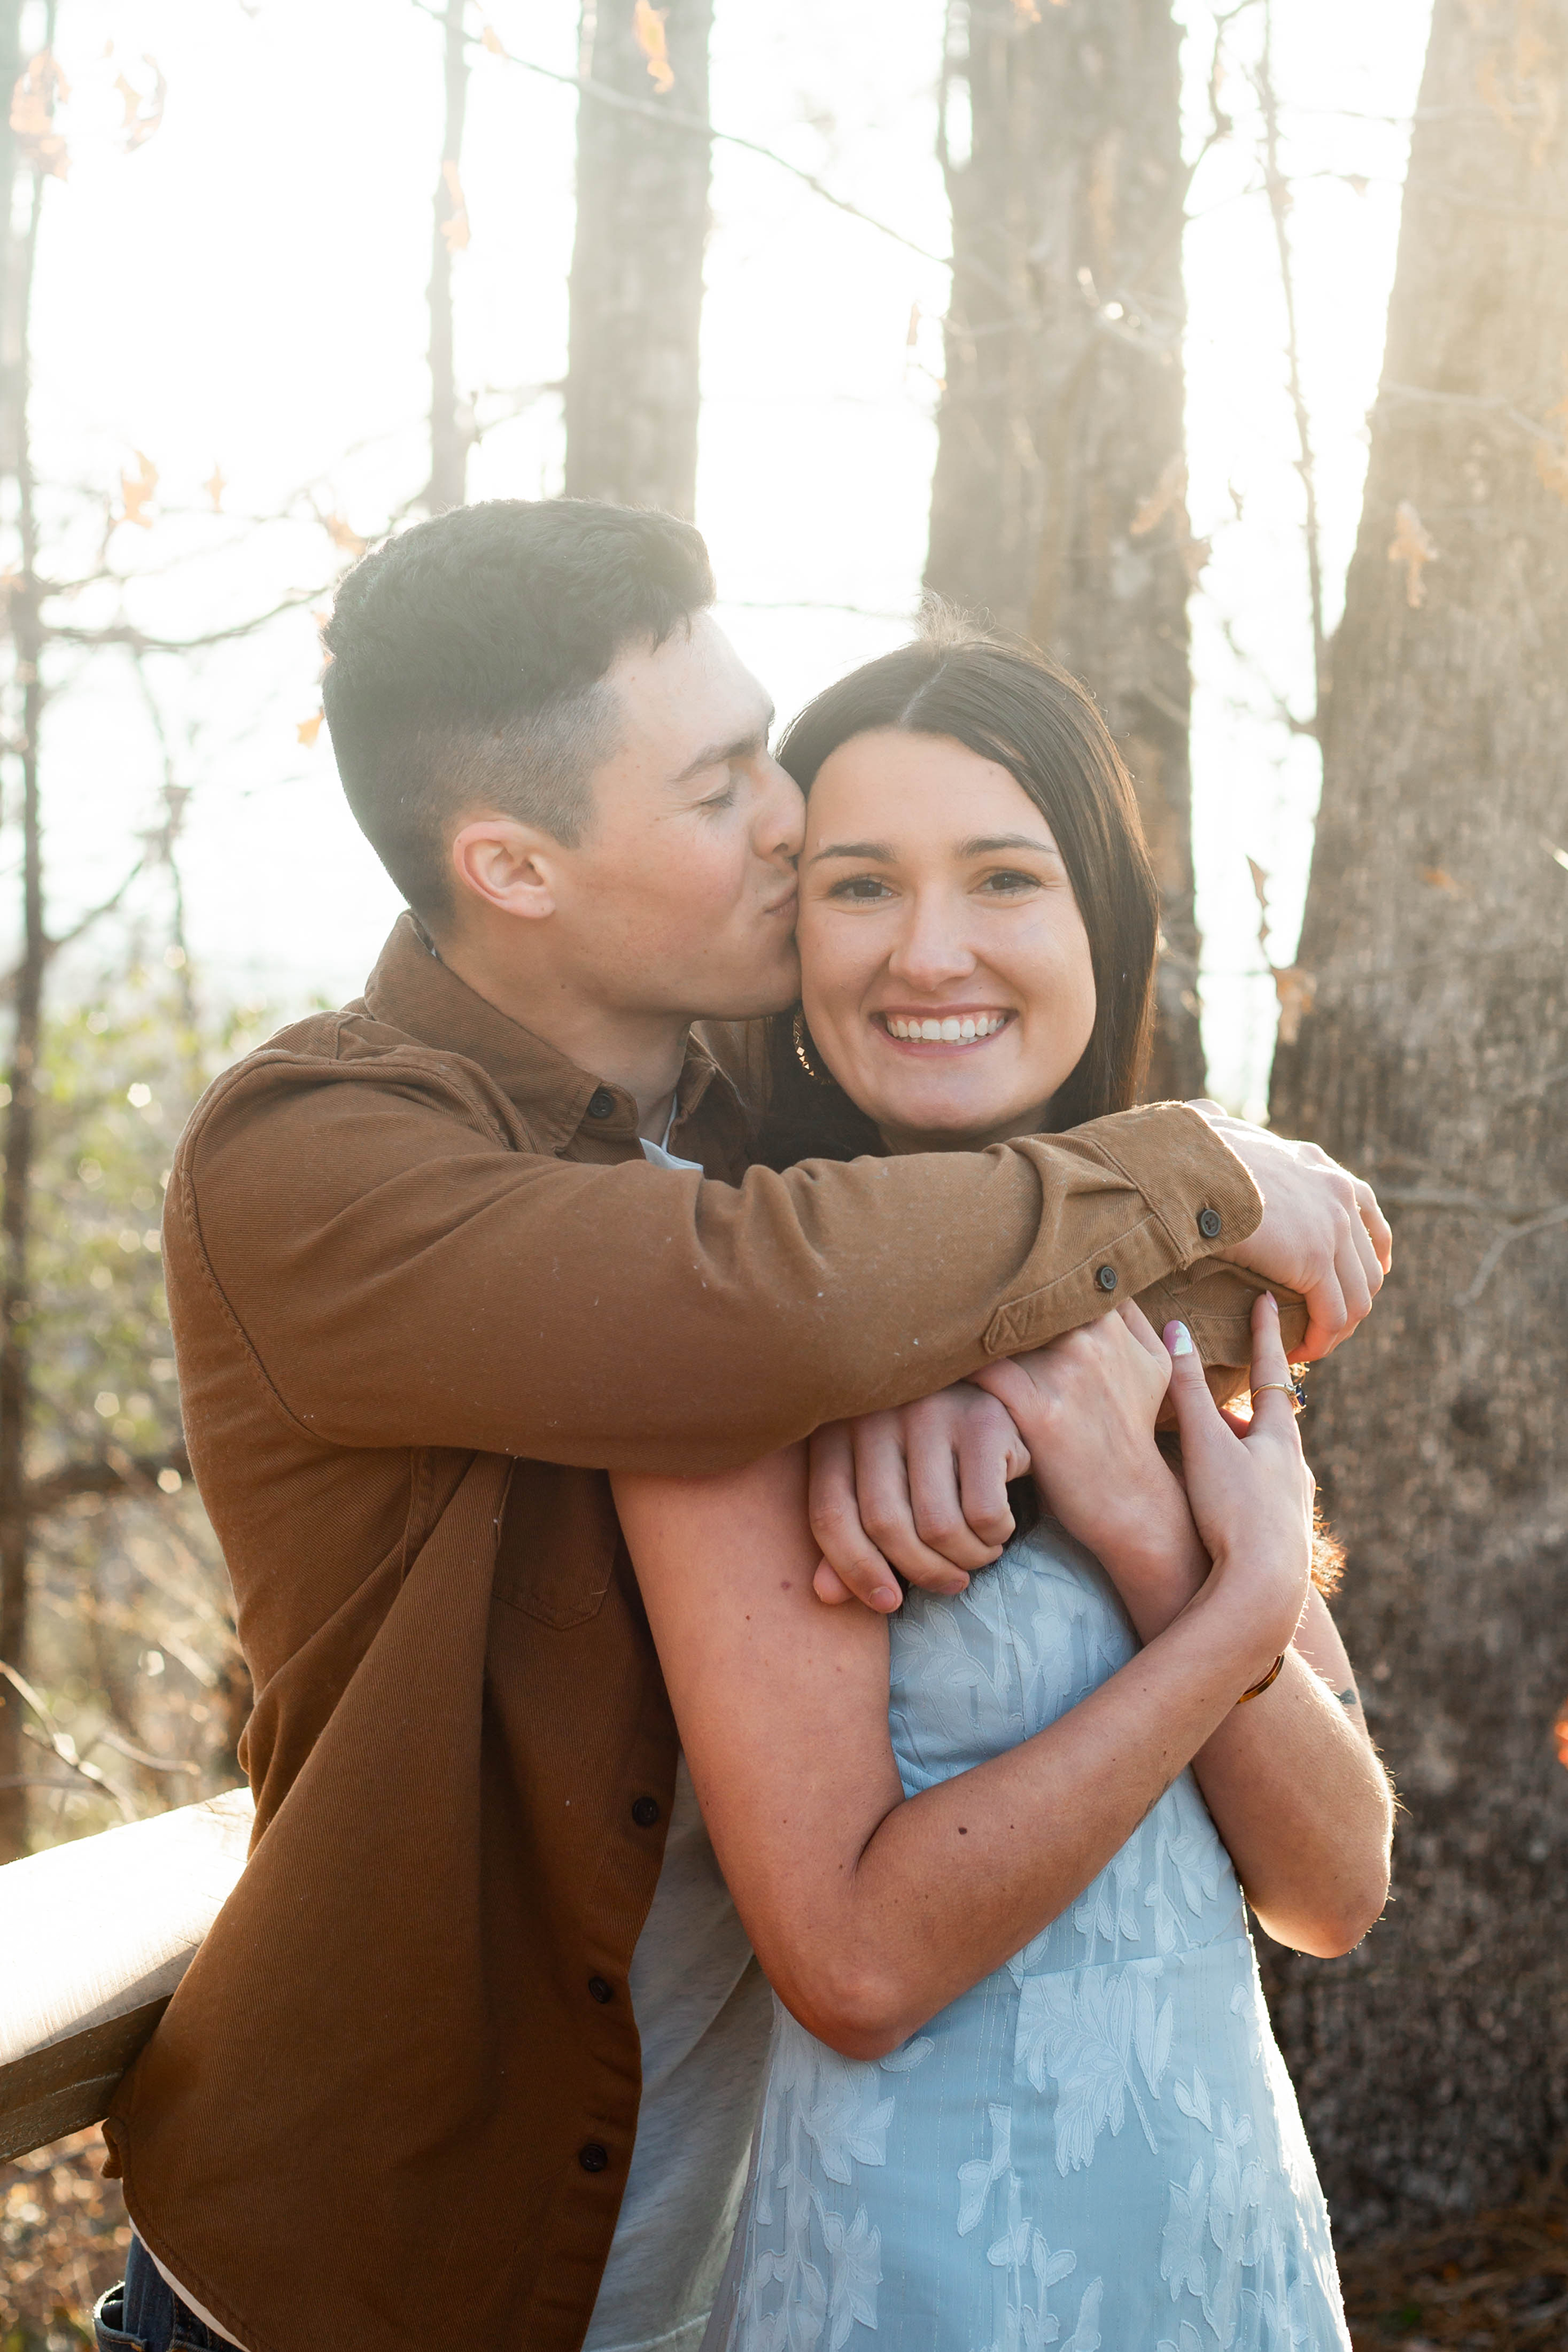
x,y
509,867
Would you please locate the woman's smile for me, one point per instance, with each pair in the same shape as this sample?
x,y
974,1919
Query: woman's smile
x,y
956,1024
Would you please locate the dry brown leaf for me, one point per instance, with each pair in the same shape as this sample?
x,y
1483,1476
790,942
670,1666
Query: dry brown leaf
x,y
649,24
39,87
492,41
214,487
143,109
308,729
455,229
1169,491
343,534
136,488
1295,989
1412,546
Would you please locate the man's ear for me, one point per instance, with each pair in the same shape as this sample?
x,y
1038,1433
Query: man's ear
x,y
512,867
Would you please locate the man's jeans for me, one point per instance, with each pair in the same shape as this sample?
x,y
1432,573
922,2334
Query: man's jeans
x,y
143,2313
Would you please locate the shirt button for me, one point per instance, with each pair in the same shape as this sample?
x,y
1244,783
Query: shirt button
x,y
593,2157
599,1990
1106,1278
1209,1223
645,1812
602,1104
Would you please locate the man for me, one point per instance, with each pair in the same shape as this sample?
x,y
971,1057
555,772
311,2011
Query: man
x,y
425,1290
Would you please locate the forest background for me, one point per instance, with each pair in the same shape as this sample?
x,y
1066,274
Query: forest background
x,y
1074,310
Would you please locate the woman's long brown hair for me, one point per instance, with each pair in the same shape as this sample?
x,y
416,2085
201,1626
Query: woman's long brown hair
x,y
1008,704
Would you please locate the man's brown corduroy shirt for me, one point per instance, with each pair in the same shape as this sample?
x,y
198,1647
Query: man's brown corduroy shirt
x,y
425,1291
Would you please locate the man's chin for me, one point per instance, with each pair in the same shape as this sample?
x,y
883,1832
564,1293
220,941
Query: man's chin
x,y
753,998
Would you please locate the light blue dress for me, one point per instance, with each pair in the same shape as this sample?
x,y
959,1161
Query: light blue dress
x,y
1098,2146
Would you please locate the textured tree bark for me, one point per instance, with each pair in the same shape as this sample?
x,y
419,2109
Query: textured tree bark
x,y
1433,2066
1058,503
451,428
637,264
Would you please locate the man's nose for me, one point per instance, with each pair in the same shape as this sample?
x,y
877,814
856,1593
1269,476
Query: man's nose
x,y
780,829
932,948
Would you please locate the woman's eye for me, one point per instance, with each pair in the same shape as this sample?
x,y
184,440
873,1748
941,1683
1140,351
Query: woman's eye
x,y
1009,881
860,889
720,800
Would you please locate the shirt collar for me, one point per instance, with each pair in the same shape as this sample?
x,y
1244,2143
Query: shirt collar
x,y
411,990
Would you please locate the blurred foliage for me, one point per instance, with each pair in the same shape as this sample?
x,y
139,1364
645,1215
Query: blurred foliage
x,y
132,1630
63,2235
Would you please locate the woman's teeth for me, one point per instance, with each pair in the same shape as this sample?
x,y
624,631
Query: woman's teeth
x,y
955,1030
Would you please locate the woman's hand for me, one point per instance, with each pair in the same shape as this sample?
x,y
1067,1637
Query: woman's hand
x,y
1086,1405
1247,1486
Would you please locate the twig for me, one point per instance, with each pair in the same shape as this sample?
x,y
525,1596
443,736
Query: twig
x,y
101,1477
122,632
1488,1264
694,124
62,1743
110,1737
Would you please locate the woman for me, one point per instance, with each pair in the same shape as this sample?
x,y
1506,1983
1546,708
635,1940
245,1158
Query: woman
x,y
1022,2087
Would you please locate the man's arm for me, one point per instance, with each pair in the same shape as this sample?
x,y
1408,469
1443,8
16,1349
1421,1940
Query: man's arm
x,y
402,1277
922,1488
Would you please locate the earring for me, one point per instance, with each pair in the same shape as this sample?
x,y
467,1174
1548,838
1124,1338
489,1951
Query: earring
x,y
802,1057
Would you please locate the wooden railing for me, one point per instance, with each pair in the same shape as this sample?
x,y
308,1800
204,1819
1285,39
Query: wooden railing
x,y
94,1937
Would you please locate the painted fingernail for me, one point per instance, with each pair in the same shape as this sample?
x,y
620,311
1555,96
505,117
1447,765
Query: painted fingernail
x,y
1178,1338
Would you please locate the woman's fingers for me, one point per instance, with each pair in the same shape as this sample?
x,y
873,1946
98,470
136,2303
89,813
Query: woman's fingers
x,y
1272,1405
1198,1417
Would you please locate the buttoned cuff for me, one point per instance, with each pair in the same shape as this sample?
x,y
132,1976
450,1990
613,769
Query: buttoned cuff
x,y
1193,1184
1182,1194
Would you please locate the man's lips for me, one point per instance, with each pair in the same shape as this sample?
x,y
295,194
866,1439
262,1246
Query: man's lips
x,y
950,1025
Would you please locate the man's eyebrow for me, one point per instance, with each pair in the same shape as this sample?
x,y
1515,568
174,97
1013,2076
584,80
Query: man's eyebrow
x,y
740,747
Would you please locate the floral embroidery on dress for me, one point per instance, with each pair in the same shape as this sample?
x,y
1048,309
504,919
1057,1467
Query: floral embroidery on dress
x,y
1104,2126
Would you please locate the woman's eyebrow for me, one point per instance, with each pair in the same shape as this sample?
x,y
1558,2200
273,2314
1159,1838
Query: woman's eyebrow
x,y
985,844
878,852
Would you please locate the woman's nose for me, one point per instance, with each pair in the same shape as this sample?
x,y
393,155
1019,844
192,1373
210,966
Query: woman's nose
x,y
932,949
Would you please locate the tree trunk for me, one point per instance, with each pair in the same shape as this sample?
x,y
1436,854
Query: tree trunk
x,y
636,265
451,430
1433,2065
16,1186
1058,504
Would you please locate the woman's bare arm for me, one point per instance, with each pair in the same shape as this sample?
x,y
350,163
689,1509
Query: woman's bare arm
x,y
1291,1779
869,1912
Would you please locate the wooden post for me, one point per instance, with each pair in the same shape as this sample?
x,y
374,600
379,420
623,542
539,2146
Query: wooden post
x,y
96,1935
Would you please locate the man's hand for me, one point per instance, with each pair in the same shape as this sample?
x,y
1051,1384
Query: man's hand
x,y
1323,1231
923,1490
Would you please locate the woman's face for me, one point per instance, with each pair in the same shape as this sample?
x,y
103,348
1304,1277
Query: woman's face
x,y
945,969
